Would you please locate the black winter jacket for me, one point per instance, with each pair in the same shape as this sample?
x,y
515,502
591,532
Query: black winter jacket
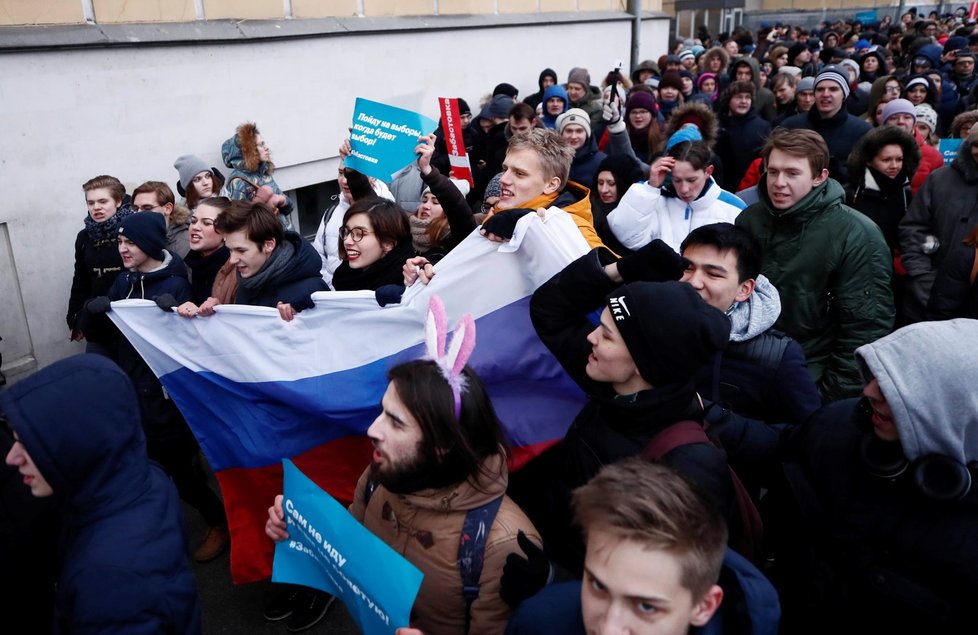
x,y
293,285
841,132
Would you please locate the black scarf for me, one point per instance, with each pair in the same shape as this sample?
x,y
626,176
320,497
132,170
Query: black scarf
x,y
203,271
387,270
278,261
109,228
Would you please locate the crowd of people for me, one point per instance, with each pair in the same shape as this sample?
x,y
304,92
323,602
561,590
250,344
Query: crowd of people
x,y
781,381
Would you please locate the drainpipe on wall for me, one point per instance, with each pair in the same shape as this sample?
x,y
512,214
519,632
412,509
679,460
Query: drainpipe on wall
x,y
635,8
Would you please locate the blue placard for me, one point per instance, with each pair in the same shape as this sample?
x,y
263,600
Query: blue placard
x,y
949,149
866,17
329,550
383,138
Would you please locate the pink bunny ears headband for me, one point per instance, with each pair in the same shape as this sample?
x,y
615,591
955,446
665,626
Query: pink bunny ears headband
x,y
451,361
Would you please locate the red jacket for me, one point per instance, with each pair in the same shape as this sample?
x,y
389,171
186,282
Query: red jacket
x,y
930,160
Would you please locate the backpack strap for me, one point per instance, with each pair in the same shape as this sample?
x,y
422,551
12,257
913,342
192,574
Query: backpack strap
x,y
749,540
472,551
372,486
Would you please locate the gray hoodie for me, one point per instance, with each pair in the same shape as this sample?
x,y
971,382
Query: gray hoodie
x,y
928,373
759,313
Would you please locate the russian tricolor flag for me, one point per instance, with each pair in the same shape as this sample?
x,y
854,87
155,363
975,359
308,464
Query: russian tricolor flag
x,y
256,389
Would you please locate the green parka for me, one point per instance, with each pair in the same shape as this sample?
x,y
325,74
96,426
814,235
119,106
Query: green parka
x,y
832,268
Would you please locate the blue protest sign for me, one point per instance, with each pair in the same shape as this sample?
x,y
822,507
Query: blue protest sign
x,y
866,17
329,550
383,138
949,149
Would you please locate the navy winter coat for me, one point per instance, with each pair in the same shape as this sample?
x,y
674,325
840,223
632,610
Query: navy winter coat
x,y
124,564
294,284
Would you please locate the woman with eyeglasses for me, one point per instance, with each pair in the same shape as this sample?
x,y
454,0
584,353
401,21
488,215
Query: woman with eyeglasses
x,y
212,279
884,90
375,241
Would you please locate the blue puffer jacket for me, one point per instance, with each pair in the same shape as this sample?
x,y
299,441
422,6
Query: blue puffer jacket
x,y
124,564
587,158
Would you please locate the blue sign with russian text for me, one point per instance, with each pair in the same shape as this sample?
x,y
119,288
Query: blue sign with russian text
x,y
383,138
329,550
949,149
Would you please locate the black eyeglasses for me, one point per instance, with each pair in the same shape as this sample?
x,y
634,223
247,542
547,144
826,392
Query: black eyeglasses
x,y
356,232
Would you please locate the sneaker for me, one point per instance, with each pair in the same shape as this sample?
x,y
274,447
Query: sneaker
x,y
312,608
283,603
215,541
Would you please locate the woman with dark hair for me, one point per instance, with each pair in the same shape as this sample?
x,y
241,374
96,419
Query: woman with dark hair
x,y
880,168
918,89
680,196
443,219
375,241
637,133
197,180
955,290
212,276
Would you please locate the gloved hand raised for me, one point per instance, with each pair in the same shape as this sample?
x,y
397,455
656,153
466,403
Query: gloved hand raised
x,y
655,262
524,577
611,113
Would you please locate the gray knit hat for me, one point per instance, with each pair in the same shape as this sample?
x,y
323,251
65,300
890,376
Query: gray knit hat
x,y
579,76
574,115
188,166
835,74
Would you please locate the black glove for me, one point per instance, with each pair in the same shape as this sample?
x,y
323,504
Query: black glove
x,y
524,577
655,262
358,183
389,294
101,304
166,302
503,224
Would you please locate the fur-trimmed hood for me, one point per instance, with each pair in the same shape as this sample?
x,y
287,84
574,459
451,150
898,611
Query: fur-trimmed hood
x,y
872,142
716,51
179,216
710,128
240,152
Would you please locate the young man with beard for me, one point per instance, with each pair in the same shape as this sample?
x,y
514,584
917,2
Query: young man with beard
x,y
433,462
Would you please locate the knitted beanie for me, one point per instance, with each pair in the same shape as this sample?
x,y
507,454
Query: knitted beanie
x,y
925,113
574,115
669,330
505,89
188,166
499,107
686,133
835,74
641,100
148,231
671,79
579,76
703,77
896,107
804,84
